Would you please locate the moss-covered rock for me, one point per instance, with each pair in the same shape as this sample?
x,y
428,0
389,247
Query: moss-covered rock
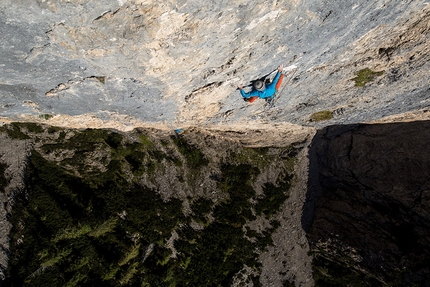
x,y
364,76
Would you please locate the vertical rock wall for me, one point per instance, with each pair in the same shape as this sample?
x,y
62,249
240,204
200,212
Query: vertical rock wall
x,y
369,190
178,61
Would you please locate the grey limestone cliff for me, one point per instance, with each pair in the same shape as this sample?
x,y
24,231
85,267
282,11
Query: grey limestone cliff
x,y
179,62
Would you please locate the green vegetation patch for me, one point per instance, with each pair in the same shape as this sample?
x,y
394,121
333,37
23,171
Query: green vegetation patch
x,y
53,129
88,137
336,268
46,116
274,196
201,207
137,155
321,116
364,76
14,132
211,257
21,131
81,141
75,234
32,127
194,157
104,228
146,141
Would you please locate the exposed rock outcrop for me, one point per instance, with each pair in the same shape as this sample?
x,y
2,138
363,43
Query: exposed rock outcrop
x,y
13,161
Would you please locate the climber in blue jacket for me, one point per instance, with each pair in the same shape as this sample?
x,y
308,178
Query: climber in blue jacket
x,y
260,90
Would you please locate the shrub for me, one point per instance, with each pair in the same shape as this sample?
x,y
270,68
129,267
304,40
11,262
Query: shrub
x,y
194,157
105,227
46,116
14,132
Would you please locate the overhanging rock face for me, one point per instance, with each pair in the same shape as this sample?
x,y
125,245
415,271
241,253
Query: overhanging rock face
x,y
180,61
369,200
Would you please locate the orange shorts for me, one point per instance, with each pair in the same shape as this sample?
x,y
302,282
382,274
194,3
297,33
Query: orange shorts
x,y
251,99
278,84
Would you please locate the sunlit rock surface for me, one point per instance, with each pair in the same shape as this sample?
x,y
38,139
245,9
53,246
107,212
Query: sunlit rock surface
x,y
179,62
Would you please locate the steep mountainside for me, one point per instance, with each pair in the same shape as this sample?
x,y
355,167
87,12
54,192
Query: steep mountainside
x,y
175,63
128,157
96,207
205,206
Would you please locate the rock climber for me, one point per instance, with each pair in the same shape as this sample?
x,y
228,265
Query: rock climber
x,y
260,90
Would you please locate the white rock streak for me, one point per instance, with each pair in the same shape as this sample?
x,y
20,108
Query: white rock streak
x,y
269,16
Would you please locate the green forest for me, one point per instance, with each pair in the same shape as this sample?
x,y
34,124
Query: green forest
x,y
89,218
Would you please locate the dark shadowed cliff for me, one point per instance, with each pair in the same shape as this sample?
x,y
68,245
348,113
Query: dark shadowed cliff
x,y
368,203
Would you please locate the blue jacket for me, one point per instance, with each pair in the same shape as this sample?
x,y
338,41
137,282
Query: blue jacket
x,y
268,92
